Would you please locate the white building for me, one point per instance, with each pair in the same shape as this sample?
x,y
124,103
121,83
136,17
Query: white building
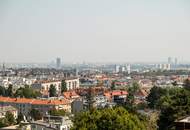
x,y
52,123
72,83
128,69
44,86
165,67
123,69
117,67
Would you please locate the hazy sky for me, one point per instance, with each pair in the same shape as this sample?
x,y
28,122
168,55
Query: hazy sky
x,y
94,30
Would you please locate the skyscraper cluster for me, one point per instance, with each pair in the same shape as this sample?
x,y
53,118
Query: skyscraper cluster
x,y
172,61
126,68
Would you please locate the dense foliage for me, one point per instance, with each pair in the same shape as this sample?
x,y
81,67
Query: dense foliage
x,y
7,120
3,91
52,91
27,92
155,94
113,86
173,103
63,86
7,92
35,114
109,119
132,90
20,118
57,112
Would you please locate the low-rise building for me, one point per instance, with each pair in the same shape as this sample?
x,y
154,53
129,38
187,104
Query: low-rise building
x,y
77,106
25,105
183,124
117,96
44,86
72,83
99,101
71,95
52,123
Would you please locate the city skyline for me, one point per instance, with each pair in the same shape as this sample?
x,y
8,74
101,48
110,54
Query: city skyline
x,y
96,31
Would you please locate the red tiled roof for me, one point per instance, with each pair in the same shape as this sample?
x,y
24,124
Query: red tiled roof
x,y
70,94
115,93
34,101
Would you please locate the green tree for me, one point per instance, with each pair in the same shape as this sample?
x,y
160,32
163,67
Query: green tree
x,y
187,84
3,122
54,112
27,92
108,119
19,93
35,114
10,118
90,98
155,94
52,91
9,91
63,86
131,92
20,118
113,87
174,105
2,91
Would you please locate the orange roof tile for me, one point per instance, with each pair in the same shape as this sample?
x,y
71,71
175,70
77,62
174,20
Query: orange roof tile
x,y
115,93
35,101
70,94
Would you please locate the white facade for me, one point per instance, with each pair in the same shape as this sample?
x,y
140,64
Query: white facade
x,y
128,69
117,68
45,85
72,83
60,123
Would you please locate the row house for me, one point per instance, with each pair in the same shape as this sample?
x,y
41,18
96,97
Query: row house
x,y
43,86
24,105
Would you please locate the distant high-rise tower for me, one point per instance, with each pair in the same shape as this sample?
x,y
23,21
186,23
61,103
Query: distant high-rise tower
x,y
176,61
122,69
128,69
76,72
58,63
169,60
3,69
117,67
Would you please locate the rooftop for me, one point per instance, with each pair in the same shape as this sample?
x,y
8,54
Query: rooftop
x,y
34,101
185,120
70,94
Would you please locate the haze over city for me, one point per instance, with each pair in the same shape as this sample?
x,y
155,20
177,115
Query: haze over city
x,y
94,31
94,65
